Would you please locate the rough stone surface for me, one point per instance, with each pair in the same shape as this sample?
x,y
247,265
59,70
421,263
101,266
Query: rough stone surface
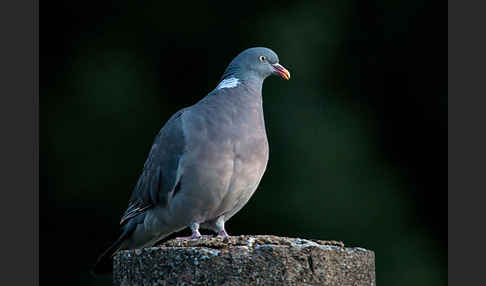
x,y
246,260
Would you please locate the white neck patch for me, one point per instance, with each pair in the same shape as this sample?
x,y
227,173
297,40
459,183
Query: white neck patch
x,y
228,83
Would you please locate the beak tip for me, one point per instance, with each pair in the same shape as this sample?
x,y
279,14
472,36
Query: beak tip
x,y
283,72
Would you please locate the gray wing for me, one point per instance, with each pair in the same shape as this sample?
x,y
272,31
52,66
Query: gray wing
x,y
159,177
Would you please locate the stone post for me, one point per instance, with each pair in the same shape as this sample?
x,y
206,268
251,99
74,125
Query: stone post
x,y
246,260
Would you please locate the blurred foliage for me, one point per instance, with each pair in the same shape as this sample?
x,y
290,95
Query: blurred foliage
x,y
358,136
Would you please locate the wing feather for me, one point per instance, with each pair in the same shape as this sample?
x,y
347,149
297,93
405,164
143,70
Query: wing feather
x,y
159,176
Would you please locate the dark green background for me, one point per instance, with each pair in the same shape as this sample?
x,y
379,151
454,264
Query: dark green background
x,y
358,136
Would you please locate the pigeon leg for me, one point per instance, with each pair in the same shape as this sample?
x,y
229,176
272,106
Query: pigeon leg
x,y
220,227
195,232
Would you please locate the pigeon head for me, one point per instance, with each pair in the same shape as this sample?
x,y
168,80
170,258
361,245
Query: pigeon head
x,y
255,63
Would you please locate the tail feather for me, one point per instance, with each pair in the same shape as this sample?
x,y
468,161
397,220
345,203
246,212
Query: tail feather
x,y
104,264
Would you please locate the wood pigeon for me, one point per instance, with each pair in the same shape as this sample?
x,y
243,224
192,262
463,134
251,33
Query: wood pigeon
x,y
206,161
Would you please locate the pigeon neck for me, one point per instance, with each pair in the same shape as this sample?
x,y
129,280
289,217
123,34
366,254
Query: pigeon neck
x,y
232,78
253,82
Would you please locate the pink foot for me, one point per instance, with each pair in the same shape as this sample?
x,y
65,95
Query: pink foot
x,y
195,235
223,234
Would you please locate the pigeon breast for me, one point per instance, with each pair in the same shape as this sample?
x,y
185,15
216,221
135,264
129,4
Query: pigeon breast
x,y
226,153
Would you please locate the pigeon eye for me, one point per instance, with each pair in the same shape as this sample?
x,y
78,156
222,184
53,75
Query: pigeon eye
x,y
262,58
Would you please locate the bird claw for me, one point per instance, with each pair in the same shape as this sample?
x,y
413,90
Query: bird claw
x,y
194,236
223,234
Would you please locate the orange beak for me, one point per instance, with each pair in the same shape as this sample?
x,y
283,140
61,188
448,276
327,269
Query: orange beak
x,y
281,71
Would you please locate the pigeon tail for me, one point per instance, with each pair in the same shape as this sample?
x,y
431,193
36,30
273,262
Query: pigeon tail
x,y
104,264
